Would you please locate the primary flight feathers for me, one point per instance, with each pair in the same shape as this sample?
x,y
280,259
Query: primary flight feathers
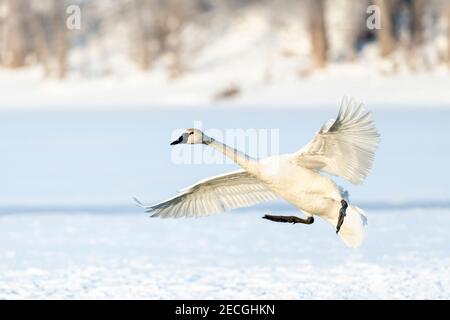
x,y
213,195
343,147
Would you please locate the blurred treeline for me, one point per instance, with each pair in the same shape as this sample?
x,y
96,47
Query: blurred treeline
x,y
35,32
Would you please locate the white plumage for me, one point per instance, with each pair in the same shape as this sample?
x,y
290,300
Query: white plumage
x,y
343,147
213,195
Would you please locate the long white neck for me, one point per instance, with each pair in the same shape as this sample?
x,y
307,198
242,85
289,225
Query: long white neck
x,y
245,161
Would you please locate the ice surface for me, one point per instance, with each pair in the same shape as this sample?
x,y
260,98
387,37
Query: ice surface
x,y
106,158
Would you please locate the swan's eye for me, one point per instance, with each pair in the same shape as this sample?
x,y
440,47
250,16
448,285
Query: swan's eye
x,y
191,133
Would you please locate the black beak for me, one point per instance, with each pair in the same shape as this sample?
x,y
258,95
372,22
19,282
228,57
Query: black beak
x,y
180,139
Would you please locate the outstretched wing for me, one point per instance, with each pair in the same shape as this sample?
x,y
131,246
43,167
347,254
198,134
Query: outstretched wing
x,y
217,194
344,147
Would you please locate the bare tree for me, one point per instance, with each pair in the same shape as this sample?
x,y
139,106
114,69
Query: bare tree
x,y
40,42
60,41
317,31
140,39
157,31
447,14
417,13
16,45
385,35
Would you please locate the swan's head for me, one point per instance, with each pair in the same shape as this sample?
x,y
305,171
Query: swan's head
x,y
192,136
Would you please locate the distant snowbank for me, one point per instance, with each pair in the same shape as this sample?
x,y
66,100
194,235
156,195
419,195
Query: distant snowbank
x,y
26,90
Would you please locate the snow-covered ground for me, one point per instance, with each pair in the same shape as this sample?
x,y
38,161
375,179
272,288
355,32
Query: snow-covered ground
x,y
25,90
74,152
69,229
230,256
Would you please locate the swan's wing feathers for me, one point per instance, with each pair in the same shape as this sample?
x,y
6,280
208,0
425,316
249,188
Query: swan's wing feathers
x,y
213,195
344,147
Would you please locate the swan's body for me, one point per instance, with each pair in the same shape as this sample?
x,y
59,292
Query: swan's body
x,y
307,190
344,147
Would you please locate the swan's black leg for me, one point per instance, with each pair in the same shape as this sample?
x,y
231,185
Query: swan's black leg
x,y
342,214
290,219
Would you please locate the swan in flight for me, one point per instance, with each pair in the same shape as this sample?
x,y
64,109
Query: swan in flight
x,y
343,147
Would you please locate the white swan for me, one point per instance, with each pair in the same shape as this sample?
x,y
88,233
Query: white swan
x,y
343,147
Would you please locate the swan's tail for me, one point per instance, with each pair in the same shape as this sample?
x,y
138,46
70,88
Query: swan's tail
x,y
352,230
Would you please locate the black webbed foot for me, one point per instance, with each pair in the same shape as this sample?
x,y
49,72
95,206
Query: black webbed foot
x,y
342,214
289,219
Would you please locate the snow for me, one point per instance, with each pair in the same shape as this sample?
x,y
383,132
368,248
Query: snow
x,y
84,159
75,151
147,91
230,256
